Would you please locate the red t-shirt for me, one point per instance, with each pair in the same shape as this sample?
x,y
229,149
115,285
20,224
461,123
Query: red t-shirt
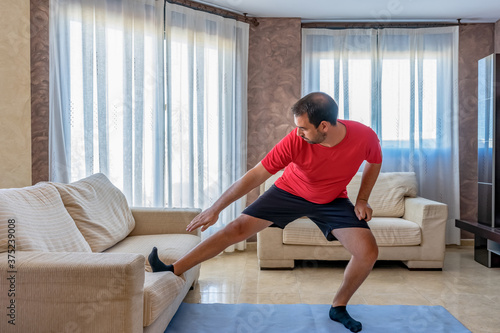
x,y
320,174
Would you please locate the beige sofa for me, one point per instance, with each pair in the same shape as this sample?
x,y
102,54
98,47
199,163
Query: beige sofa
x,y
73,259
407,228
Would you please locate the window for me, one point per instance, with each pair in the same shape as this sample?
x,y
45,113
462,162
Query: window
x,y
403,84
152,96
401,88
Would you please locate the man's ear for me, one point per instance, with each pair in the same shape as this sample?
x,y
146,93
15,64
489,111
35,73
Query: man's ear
x,y
323,126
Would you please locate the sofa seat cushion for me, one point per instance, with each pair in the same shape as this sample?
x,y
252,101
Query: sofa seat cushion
x,y
100,210
387,232
35,218
391,231
170,246
304,232
160,290
388,193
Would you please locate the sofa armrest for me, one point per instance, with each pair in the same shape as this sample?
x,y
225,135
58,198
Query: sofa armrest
x,y
271,250
431,216
155,221
74,292
425,212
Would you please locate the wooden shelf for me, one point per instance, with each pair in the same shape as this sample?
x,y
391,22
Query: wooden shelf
x,y
480,230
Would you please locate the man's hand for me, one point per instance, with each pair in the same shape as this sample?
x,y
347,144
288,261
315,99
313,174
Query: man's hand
x,y
250,180
205,219
368,179
363,210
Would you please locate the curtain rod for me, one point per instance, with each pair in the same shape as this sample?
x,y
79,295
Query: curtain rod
x,y
379,25
216,11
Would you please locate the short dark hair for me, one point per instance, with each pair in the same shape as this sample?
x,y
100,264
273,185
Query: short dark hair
x,y
318,106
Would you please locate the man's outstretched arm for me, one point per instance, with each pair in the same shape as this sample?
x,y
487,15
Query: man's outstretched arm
x,y
250,180
368,179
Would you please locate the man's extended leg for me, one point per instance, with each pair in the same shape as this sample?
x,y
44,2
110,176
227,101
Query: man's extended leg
x,y
363,248
239,230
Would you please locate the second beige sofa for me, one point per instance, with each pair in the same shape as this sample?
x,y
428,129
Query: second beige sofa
x,y
406,227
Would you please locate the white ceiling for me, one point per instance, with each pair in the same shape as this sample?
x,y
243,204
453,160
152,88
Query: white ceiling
x,y
367,10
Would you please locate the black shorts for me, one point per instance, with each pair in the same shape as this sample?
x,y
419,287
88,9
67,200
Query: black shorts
x,y
280,207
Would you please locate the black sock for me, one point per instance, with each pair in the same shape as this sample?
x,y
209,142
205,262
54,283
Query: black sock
x,y
156,264
339,313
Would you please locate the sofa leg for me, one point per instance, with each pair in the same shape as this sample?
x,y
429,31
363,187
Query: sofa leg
x,y
276,264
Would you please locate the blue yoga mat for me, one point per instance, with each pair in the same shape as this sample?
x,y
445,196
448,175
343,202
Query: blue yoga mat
x,y
274,318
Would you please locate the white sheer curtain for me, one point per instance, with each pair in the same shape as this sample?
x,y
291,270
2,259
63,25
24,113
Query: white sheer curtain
x,y
206,90
402,83
107,93
151,94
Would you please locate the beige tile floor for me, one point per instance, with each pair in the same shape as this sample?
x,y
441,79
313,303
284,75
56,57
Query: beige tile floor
x,y
468,290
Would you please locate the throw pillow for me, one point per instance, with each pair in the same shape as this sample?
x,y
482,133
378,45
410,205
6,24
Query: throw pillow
x,y
36,219
100,210
388,194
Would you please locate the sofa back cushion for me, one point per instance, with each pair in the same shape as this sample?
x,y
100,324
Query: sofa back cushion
x,y
100,210
34,219
388,194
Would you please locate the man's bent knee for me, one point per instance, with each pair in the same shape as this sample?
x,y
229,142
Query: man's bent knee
x,y
367,253
373,254
370,254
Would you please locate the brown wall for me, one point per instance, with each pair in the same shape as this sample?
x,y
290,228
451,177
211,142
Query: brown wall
x,y
40,90
497,37
274,75
476,42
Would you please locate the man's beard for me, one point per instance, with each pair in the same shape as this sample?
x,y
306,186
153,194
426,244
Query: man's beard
x,y
320,137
